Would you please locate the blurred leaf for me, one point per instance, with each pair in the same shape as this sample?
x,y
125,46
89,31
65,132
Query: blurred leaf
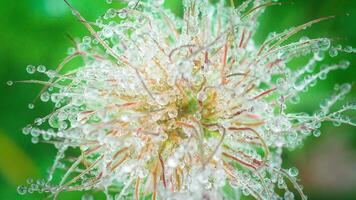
x,y
15,164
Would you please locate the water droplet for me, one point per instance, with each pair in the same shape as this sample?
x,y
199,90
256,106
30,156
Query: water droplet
x,y
35,140
317,133
333,52
9,83
319,56
86,40
245,192
29,181
336,123
293,171
71,51
122,14
26,130
41,68
288,195
30,69
107,32
111,13
45,96
22,190
38,121
53,121
51,73
303,39
348,49
344,64
31,106
324,44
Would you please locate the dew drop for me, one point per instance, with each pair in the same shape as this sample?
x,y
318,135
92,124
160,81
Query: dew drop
x,y
51,73
293,171
41,68
107,32
344,64
39,121
31,106
71,51
317,133
111,13
288,195
35,140
86,40
30,69
324,44
122,14
348,49
22,190
333,52
53,121
46,137
245,192
26,130
9,83
319,56
336,123
29,181
45,96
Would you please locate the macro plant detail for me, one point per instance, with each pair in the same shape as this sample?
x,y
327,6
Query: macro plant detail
x,y
182,108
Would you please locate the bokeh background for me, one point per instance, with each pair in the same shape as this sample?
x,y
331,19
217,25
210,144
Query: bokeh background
x,y
34,32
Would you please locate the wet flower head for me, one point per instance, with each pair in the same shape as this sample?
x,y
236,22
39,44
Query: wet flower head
x,y
182,108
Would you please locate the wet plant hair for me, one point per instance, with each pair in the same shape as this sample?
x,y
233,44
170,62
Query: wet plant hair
x,y
182,108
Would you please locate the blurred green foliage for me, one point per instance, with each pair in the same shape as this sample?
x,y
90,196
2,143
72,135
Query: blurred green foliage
x,y
34,32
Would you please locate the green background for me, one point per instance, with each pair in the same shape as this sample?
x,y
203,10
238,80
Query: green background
x,y
34,32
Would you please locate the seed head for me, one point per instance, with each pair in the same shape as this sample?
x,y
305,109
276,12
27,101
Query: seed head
x,y
182,108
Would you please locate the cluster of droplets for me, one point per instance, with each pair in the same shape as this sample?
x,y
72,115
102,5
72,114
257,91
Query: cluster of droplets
x,y
40,186
191,108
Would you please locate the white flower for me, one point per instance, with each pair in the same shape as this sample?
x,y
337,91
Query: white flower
x,y
170,108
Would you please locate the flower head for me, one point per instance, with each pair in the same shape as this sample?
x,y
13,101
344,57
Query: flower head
x,y
182,108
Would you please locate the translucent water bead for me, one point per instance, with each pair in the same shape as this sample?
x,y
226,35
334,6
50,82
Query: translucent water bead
x,y
348,49
316,133
31,106
22,190
288,195
107,32
86,40
35,140
30,69
324,44
41,68
293,171
9,83
45,97
333,52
